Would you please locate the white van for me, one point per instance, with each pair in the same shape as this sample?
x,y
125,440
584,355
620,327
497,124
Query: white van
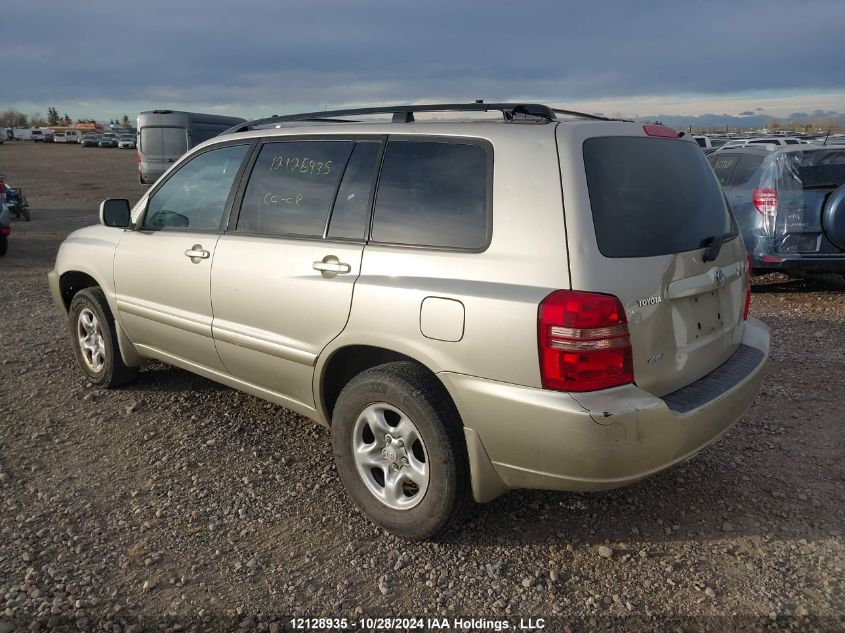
x,y
164,135
73,136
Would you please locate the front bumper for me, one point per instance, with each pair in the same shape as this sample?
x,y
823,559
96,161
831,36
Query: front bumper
x,y
522,437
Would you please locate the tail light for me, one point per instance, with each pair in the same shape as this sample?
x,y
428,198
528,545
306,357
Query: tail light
x,y
747,289
5,230
583,341
765,200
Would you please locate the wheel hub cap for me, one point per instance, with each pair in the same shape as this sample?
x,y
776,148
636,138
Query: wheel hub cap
x,y
91,342
390,456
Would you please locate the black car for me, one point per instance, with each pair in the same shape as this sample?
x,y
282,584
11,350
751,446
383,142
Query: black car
x,y
106,140
789,204
90,140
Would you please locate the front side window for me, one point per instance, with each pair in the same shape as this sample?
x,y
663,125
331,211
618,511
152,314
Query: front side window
x,y
292,187
194,198
434,194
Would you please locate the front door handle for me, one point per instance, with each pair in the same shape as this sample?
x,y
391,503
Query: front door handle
x,y
331,266
197,253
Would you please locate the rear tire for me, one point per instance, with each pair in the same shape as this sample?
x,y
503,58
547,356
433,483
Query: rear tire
x,y
4,245
93,338
416,409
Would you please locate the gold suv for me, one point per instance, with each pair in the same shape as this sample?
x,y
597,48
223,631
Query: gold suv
x,y
548,300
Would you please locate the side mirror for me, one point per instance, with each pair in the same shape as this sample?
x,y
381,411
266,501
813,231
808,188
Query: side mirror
x,y
115,212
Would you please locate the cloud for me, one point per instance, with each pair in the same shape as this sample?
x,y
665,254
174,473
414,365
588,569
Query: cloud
x,y
268,57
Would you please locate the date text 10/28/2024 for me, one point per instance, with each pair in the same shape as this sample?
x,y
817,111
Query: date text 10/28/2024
x,y
410,624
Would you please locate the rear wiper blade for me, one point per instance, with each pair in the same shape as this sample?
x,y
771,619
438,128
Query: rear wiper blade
x,y
715,245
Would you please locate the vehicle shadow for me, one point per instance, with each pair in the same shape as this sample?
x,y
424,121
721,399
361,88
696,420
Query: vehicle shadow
x,y
162,378
776,283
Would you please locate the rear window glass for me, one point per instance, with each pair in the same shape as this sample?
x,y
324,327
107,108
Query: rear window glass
x,y
652,196
174,141
434,194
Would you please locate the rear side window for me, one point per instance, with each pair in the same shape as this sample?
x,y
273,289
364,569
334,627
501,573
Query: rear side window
x,y
748,164
701,142
434,193
724,166
790,141
652,197
292,187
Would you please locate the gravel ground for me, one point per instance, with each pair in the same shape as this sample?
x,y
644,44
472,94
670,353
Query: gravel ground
x,y
178,504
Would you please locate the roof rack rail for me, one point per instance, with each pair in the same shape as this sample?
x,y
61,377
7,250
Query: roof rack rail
x,y
405,113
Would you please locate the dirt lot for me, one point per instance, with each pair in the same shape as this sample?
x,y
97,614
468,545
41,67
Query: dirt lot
x,y
178,504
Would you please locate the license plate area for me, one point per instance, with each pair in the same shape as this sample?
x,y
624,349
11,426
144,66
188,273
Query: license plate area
x,y
697,317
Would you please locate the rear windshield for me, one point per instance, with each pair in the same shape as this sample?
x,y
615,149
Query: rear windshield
x,y
652,196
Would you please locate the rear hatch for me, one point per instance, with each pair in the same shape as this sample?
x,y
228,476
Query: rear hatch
x,y
798,197
641,213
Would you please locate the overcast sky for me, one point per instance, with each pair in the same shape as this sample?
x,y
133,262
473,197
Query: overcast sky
x,y
104,59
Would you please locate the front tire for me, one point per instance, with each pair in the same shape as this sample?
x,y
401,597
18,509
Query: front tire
x,y
400,450
94,340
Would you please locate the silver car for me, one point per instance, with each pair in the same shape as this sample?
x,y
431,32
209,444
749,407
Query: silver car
x,y
551,300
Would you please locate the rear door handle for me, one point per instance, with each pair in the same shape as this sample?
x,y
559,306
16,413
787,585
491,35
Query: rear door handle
x,y
330,266
197,253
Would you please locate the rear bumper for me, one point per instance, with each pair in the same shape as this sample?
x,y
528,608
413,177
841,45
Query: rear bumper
x,y
521,437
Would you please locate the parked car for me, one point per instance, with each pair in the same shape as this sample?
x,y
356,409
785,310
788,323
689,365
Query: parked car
x,y
126,142
73,136
90,140
37,136
708,142
789,204
763,140
59,137
108,140
592,331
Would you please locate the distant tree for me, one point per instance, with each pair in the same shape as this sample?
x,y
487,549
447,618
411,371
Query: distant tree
x,y
13,118
125,122
52,116
66,120
36,120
